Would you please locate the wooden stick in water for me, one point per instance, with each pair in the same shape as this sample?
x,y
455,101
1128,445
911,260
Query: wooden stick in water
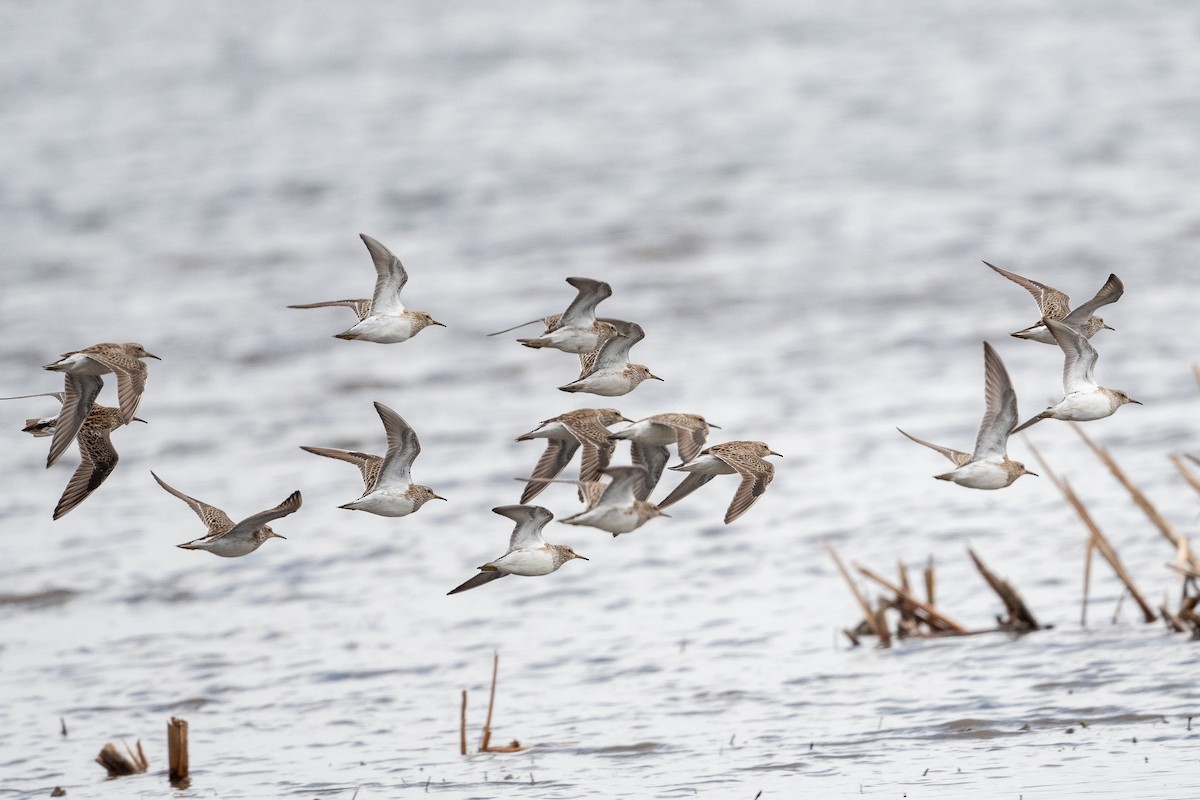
x,y
177,750
462,726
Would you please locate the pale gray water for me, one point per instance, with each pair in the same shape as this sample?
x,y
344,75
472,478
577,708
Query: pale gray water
x,y
792,199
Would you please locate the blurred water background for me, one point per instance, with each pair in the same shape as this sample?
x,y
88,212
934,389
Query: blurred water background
x,y
792,198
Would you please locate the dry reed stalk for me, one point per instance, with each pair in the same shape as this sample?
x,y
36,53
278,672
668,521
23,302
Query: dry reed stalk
x,y
1019,618
1173,622
1096,536
885,636
487,725
933,617
929,583
118,764
177,750
868,615
1196,373
1183,549
486,743
462,725
1192,480
909,624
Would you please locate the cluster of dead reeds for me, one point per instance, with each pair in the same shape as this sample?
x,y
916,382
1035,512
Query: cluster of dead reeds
x,y
921,617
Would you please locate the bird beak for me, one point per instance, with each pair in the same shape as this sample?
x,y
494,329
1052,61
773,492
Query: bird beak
x,y
139,419
1139,402
585,558
439,324
718,427
277,536
772,452
661,514
438,497
1108,327
151,355
1034,474
654,377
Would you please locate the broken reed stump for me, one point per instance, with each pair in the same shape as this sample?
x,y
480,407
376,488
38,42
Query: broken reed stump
x,y
119,764
923,619
1019,618
1096,540
177,750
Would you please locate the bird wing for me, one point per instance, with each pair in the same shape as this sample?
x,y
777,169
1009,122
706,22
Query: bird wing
x,y
691,483
252,523
403,448
756,474
530,521
582,311
1051,302
367,464
1079,357
597,447
131,379
957,456
615,352
557,455
98,458
361,308
1000,408
622,489
390,278
79,394
1110,292
652,459
216,520
485,576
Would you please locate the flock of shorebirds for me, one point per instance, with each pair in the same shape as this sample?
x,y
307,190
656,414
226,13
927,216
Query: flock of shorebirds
x,y
988,465
617,506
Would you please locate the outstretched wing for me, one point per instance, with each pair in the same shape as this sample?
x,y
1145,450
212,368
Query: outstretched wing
x,y
957,456
368,465
361,308
216,520
1079,357
1000,408
1110,292
582,311
256,521
79,393
403,448
390,277
1051,302
98,458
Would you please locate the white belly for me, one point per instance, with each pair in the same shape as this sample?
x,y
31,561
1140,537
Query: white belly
x,y
980,475
527,562
1084,406
613,520
385,503
383,329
